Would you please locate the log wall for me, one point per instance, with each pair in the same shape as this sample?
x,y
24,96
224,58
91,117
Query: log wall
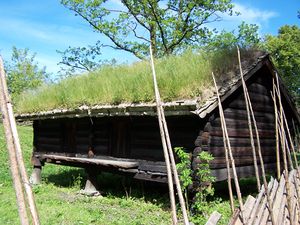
x,y
211,137
121,137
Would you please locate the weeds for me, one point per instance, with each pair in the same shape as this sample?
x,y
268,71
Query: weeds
x,y
199,182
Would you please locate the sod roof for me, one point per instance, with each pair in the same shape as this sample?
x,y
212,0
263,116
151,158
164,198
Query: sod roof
x,y
184,81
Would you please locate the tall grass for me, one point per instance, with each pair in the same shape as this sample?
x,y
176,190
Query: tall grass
x,y
179,77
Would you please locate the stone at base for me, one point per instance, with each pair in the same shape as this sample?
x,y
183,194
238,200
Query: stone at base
x,y
36,175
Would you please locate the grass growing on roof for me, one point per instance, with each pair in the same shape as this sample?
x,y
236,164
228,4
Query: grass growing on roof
x,y
179,77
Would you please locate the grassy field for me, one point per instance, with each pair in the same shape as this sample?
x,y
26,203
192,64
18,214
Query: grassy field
x,y
179,77
124,201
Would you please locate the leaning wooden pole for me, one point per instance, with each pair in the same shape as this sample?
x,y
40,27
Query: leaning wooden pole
x,y
174,169
249,126
164,144
224,128
13,163
248,102
276,135
283,148
289,142
19,155
228,173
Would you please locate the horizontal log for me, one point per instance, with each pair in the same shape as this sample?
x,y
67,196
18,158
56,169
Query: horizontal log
x,y
240,142
48,140
102,141
258,88
220,162
56,134
49,146
240,151
257,107
239,123
266,117
243,133
242,171
103,162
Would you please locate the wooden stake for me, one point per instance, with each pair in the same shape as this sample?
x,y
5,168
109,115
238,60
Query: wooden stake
x,y
277,137
164,144
248,102
228,173
174,169
224,128
19,155
12,156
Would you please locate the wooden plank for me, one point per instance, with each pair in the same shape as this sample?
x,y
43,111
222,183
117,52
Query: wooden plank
x,y
103,162
246,211
278,202
262,206
214,218
266,213
254,211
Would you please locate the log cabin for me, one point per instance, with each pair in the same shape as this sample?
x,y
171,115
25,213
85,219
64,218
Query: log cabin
x,y
124,138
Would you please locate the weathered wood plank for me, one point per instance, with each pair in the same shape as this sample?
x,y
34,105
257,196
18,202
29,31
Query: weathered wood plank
x,y
214,218
103,162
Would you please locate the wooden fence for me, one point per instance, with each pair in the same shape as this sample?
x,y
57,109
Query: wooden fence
x,y
255,210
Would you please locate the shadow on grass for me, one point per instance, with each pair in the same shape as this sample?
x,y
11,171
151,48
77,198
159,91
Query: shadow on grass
x,y
112,185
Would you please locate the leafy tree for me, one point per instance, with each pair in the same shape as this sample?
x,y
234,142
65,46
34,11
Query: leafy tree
x,y
169,25
246,37
23,72
285,51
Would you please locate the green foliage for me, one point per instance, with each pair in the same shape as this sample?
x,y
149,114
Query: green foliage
x,y
285,51
200,207
169,25
23,72
187,76
204,188
247,37
184,168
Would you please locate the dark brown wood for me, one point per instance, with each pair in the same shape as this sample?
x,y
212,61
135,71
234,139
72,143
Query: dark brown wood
x,y
112,162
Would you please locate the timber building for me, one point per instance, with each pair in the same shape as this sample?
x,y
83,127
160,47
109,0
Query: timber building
x,y
125,138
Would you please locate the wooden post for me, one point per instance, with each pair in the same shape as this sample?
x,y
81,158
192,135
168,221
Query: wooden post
x,y
21,202
91,185
277,136
248,102
224,128
164,144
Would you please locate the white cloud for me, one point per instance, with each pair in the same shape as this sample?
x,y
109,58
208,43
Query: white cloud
x,y
252,14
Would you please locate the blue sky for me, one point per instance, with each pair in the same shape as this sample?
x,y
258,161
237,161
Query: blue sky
x,y
46,26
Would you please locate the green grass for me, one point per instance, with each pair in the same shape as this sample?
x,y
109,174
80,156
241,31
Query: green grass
x,y
124,201
187,76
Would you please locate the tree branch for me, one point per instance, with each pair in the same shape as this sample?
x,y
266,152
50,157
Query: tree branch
x,y
162,33
135,15
111,37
